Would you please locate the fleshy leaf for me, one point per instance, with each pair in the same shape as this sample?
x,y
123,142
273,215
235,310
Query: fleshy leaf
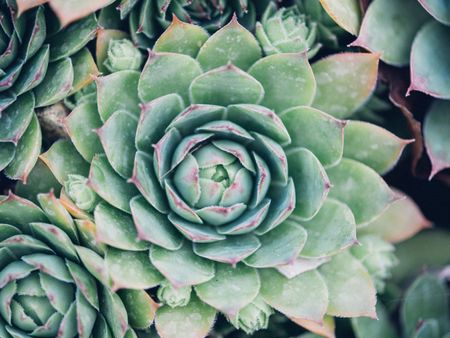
x,y
225,46
350,287
351,180
84,70
224,86
431,77
316,131
194,320
63,159
345,82
80,125
301,265
104,36
221,292
311,182
332,229
436,132
131,270
18,211
109,185
288,80
141,308
182,267
372,145
117,137
383,327
389,27
425,299
167,73
182,38
402,220
345,13
279,246
325,329
116,229
438,9
284,294
118,91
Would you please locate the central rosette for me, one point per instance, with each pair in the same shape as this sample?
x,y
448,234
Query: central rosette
x,y
216,179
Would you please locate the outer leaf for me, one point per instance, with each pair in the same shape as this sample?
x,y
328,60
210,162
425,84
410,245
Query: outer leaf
x,y
167,73
325,329
345,81
436,132
194,320
287,79
69,11
182,38
316,131
221,292
431,77
351,180
84,70
425,299
141,308
63,159
389,27
402,220
311,182
345,13
331,230
350,287
439,9
182,267
284,294
225,46
372,145
18,211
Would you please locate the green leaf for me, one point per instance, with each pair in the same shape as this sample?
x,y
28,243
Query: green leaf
x,y
224,86
431,78
117,136
56,85
345,82
182,267
311,182
118,91
27,152
18,211
153,226
51,264
331,230
350,288
15,119
33,72
60,294
141,308
346,14
195,320
73,38
374,328
181,38
84,70
115,312
436,132
86,316
389,27
425,299
406,216
361,188
156,115
304,296
63,159
109,185
225,46
80,126
372,145
288,81
104,36
131,270
279,246
231,250
231,289
167,73
116,229
438,9
7,152
316,131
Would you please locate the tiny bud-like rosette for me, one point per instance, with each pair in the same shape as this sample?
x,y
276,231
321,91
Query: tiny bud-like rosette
x,y
219,172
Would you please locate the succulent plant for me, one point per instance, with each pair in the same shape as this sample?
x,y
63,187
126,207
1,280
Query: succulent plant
x,y
416,33
50,283
220,177
37,70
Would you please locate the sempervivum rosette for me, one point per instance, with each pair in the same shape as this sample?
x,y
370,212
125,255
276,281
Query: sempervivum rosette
x,y
38,67
211,169
50,285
